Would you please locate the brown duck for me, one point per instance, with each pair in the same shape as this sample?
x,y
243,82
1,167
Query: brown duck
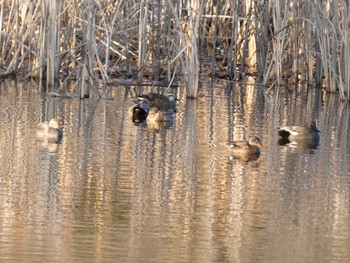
x,y
246,149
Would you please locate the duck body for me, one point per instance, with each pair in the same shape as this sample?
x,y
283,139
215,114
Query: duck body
x,y
309,135
246,149
49,131
153,107
156,115
165,102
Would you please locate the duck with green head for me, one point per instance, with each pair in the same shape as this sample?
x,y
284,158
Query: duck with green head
x,y
304,135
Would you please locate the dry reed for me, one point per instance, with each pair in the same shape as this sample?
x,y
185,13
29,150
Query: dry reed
x,y
284,42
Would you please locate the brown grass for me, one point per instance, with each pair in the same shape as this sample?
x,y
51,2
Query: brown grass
x,y
281,42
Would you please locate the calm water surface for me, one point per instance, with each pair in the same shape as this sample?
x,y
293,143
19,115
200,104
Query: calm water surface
x,y
116,192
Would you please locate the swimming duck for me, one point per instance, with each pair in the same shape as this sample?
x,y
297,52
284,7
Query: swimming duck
x,y
300,133
165,102
246,149
49,131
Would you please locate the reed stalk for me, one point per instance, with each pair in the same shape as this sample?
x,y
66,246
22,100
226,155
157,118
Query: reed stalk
x,y
344,61
103,66
89,51
251,29
189,43
143,42
192,65
279,23
263,39
1,19
233,49
53,40
42,46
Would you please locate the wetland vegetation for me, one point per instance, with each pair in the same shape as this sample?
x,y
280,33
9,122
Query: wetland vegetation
x,y
165,42
102,186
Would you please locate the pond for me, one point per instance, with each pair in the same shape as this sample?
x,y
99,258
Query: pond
x,y
113,191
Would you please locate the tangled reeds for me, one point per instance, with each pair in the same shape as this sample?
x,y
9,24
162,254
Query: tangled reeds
x,y
282,42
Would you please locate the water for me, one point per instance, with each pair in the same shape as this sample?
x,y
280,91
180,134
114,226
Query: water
x,y
116,192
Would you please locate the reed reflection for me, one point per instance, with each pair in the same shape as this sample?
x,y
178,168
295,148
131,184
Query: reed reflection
x,y
119,190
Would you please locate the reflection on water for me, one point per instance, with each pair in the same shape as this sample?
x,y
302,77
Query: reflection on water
x,y
307,146
113,190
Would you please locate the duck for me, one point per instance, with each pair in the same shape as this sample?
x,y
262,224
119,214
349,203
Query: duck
x,y
247,150
166,102
300,133
49,131
156,115
139,112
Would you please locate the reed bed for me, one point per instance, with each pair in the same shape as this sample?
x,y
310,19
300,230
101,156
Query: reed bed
x,y
279,42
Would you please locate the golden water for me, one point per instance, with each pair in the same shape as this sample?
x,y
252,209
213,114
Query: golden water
x,y
116,192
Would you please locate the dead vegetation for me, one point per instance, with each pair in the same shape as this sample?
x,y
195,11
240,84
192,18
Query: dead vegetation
x,y
165,41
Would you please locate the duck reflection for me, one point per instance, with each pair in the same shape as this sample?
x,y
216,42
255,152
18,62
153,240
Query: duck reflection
x,y
304,146
158,120
50,135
